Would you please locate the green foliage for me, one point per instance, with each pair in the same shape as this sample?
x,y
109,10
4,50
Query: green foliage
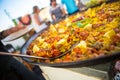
x,y
95,2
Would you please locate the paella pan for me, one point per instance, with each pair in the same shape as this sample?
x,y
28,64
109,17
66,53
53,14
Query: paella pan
x,y
97,30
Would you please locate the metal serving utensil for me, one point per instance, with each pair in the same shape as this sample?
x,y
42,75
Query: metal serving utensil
x,y
21,55
37,57
62,54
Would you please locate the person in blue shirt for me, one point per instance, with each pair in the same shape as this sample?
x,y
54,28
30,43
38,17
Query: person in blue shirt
x,y
71,6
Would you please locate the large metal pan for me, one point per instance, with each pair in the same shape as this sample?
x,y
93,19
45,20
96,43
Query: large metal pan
x,y
89,62
83,63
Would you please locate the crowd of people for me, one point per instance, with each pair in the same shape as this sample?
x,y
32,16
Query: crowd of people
x,y
59,12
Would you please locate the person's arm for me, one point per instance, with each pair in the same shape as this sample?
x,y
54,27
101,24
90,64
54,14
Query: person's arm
x,y
23,71
52,15
63,10
7,32
37,20
36,17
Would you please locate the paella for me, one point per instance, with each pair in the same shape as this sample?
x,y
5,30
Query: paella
x,y
97,30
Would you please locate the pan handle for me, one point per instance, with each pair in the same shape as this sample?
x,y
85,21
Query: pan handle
x,y
20,55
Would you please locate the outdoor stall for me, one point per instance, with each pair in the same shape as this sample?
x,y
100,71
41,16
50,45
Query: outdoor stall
x,y
76,44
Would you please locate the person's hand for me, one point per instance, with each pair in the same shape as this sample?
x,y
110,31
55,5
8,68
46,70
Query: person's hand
x,y
48,23
45,20
64,16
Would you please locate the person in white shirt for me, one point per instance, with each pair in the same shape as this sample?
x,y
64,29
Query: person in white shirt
x,y
37,22
34,21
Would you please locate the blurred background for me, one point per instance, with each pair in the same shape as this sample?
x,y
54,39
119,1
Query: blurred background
x,y
12,9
